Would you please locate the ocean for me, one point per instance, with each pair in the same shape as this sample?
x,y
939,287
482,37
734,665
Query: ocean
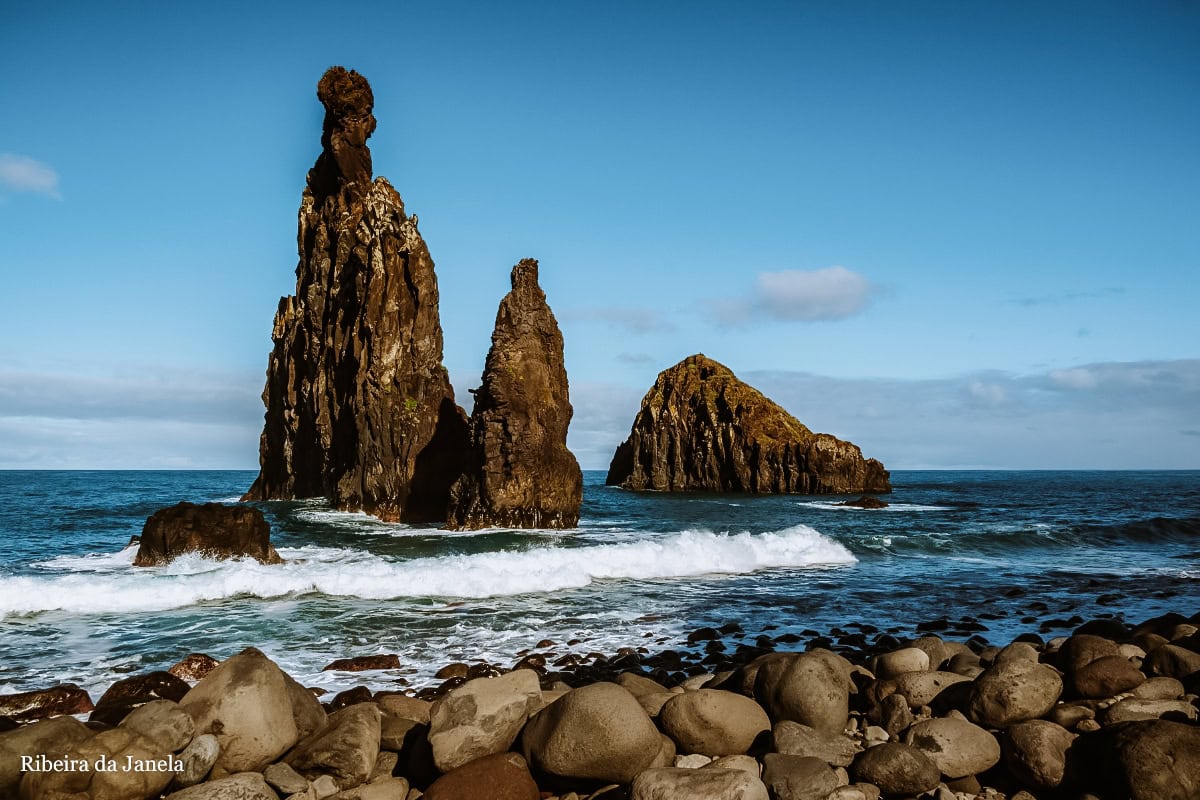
x,y
991,554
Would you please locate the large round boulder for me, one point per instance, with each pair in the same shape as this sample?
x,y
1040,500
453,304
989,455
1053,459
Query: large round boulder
x,y
245,702
794,739
804,688
1013,692
1035,752
597,732
897,662
957,747
49,737
345,749
712,722
896,769
797,777
482,717
1106,676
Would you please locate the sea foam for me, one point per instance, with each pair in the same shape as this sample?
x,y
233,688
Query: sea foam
x,y
118,587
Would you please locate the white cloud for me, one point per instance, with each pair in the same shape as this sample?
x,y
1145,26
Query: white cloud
x,y
20,173
797,295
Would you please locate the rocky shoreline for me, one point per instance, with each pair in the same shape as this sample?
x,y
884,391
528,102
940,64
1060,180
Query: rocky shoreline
x,y
1109,711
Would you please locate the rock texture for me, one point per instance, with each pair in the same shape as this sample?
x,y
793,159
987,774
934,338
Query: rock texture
x,y
519,472
212,529
359,407
702,429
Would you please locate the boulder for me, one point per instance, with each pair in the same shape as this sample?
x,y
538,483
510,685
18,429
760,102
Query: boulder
x,y
713,722
804,688
482,717
897,662
669,783
924,688
1035,752
957,747
193,667
284,779
242,786
139,770
213,530
1172,661
307,712
797,777
364,663
639,685
197,760
519,472
501,776
135,691
795,739
1013,692
400,705
863,502
66,698
1158,760
52,738
1134,709
897,769
597,732
1082,649
1160,688
1106,676
387,788
163,723
345,749
702,429
747,764
246,704
359,407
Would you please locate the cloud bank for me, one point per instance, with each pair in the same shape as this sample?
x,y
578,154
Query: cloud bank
x,y
797,296
20,173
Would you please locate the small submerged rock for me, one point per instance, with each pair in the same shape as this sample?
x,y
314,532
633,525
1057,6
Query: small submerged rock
x,y
864,502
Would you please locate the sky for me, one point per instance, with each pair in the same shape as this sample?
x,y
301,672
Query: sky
x,y
961,235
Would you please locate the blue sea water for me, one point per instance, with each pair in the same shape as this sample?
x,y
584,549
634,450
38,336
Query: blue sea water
x,y
1016,551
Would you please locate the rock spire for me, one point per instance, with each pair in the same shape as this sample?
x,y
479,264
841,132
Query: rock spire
x,y
519,471
359,406
702,429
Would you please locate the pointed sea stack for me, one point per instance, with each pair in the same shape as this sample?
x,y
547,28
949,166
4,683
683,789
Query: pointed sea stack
x,y
520,473
700,429
359,407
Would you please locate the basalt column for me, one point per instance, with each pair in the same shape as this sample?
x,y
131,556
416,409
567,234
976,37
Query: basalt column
x,y
359,407
520,473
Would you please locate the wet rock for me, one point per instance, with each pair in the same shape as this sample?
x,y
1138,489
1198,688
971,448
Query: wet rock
x,y
956,746
519,472
804,688
701,429
193,667
482,717
213,530
129,693
364,663
245,703
359,406
669,783
864,502
597,732
1013,692
797,777
345,749
897,769
835,749
714,723
66,698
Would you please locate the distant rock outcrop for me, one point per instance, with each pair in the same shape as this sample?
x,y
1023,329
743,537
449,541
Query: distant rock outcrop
x,y
359,407
212,529
702,429
520,473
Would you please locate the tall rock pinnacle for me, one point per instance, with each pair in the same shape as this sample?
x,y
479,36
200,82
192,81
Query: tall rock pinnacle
x,y
519,471
702,429
359,407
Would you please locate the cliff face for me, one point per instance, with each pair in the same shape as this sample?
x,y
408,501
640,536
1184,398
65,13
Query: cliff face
x,y
519,471
702,429
359,407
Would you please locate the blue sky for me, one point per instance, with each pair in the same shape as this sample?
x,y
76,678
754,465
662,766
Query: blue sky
x,y
958,234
